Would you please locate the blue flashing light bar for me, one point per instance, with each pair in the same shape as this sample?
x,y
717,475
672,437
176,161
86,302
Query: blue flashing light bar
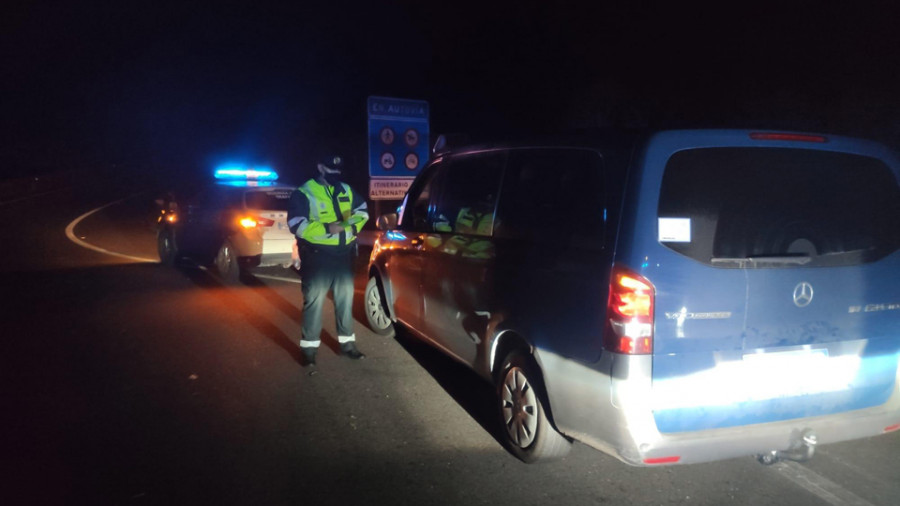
x,y
246,183
237,173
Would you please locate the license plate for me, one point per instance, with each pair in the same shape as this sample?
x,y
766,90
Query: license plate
x,y
797,372
775,358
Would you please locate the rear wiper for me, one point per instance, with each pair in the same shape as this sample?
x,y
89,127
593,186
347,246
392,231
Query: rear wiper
x,y
763,260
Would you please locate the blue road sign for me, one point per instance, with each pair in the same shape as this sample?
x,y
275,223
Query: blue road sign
x,y
398,137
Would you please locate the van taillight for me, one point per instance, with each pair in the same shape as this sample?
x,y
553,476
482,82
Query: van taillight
x,y
265,222
630,313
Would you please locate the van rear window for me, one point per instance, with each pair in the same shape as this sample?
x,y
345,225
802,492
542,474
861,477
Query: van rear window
x,y
774,207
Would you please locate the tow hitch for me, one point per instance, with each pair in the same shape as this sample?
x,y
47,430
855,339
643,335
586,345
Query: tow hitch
x,y
802,450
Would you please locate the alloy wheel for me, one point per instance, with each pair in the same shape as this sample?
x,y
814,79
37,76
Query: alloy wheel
x,y
519,406
374,306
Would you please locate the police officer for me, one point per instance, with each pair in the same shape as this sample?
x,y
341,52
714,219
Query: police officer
x,y
326,216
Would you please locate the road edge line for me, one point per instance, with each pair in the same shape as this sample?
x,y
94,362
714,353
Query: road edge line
x,y
70,233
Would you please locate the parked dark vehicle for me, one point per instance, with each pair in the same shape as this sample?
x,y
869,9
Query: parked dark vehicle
x,y
686,297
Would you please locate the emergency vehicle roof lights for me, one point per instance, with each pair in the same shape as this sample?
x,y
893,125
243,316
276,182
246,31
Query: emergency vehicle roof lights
x,y
237,173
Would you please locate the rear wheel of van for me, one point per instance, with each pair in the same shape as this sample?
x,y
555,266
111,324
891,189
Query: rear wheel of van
x,y
376,309
528,433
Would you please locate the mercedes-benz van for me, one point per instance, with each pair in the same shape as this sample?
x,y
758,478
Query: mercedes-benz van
x,y
684,297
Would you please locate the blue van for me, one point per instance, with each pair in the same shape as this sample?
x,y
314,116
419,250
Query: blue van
x,y
680,297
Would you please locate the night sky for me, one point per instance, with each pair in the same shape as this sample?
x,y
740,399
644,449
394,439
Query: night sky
x,y
148,82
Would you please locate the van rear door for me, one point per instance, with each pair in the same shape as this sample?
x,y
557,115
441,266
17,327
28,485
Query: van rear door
x,y
811,229
818,247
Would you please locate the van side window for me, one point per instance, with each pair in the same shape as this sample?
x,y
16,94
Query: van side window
x,y
417,206
553,195
469,194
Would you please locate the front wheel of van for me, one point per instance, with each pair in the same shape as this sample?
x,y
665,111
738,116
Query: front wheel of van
x,y
528,433
376,309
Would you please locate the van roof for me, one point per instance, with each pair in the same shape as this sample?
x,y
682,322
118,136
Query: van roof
x,y
588,138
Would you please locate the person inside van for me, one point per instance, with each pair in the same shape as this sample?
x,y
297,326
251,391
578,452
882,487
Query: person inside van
x,y
476,219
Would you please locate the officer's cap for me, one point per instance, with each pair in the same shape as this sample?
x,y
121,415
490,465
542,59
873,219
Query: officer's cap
x,y
331,160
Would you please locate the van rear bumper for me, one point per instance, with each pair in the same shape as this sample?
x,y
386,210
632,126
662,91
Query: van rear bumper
x,y
607,405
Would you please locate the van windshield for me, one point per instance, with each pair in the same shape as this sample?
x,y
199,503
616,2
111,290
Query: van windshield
x,y
777,207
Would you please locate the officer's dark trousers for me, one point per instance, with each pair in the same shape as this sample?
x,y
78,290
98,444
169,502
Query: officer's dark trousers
x,y
320,272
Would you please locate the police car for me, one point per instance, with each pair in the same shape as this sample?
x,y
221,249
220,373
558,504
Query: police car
x,y
235,222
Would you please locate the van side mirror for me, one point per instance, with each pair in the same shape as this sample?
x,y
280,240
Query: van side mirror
x,y
386,221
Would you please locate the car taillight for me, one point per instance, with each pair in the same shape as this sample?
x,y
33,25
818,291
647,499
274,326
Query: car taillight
x,y
255,221
169,217
630,313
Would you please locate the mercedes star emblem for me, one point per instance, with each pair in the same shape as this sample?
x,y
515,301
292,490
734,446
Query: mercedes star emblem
x,y
803,294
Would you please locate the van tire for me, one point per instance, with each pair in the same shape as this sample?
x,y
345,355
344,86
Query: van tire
x,y
376,310
527,431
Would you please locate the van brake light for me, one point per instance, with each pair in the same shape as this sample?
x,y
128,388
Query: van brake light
x,y
630,313
778,136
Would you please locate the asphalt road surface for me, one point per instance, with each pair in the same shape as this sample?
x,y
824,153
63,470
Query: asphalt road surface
x,y
126,382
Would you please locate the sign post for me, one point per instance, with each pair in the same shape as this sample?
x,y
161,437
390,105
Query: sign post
x,y
398,145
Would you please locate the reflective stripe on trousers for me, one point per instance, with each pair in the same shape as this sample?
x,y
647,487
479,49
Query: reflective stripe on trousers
x,y
315,344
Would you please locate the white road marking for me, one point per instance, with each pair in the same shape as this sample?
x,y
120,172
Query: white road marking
x,y
822,487
278,278
70,233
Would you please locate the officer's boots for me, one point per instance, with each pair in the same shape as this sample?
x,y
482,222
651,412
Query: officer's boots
x,y
310,355
349,350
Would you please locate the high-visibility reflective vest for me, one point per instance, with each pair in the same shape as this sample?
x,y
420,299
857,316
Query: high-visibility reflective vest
x,y
471,222
322,202
468,221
